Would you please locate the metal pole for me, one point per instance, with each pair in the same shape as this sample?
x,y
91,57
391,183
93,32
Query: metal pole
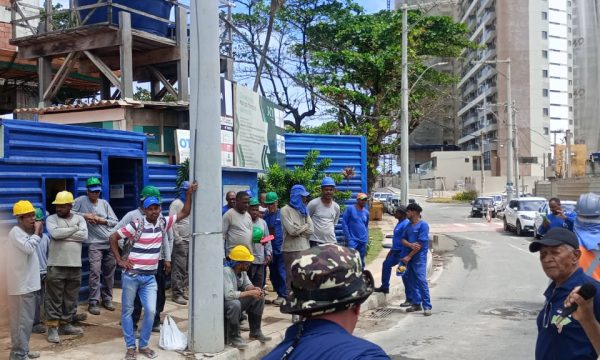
x,y
568,154
510,128
404,115
482,166
206,331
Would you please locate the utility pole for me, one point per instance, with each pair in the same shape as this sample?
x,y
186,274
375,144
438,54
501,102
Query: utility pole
x,y
516,153
404,115
568,154
205,334
482,165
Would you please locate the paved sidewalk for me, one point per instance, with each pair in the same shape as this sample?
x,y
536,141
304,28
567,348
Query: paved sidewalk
x,y
103,337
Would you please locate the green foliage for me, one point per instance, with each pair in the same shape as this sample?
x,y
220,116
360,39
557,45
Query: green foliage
x,y
465,195
310,174
142,94
374,245
183,173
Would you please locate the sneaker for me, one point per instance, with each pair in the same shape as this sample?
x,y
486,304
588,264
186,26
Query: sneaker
x,y
94,309
39,329
381,289
53,335
108,305
238,342
406,304
279,301
427,312
156,328
244,326
69,329
79,317
260,337
33,354
179,300
414,308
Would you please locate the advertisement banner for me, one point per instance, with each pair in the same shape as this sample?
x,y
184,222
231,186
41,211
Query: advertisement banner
x,y
251,142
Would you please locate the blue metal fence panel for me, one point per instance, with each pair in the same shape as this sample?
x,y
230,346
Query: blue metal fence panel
x,y
164,177
344,151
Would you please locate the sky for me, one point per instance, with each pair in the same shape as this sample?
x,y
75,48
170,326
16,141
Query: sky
x,y
374,5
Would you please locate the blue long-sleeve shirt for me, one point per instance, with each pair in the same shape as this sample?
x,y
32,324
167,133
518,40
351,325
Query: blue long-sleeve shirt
x,y
556,221
356,224
273,221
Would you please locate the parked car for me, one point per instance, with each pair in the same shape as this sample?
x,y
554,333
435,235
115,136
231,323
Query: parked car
x,y
520,214
480,204
567,206
499,202
391,204
381,196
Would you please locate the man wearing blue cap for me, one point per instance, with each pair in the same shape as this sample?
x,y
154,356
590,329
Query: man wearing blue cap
x,y
140,261
297,228
182,232
100,219
325,214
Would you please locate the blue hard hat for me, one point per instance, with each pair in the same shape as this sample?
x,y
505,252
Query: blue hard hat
x,y
327,181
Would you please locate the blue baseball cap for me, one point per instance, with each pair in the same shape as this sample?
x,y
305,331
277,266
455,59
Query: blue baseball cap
x,y
301,189
149,201
185,185
327,181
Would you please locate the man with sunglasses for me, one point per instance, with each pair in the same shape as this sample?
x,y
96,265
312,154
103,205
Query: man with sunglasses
x,y
100,219
562,338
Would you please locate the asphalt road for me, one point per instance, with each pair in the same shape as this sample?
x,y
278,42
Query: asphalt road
x,y
484,302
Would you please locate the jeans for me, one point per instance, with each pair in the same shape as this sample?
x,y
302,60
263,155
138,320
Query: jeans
x,y
21,309
361,247
144,286
161,299
62,291
392,259
179,276
102,265
277,275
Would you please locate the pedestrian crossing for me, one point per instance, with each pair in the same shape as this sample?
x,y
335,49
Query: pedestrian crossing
x,y
494,226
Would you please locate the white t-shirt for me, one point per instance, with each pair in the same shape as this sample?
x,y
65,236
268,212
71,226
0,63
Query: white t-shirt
x,y
324,219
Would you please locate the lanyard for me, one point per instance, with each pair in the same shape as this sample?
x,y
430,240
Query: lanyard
x,y
288,352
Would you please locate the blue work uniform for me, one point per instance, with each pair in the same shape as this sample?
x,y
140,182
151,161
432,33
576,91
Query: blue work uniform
x,y
276,266
356,230
397,252
571,342
325,340
224,209
558,222
417,269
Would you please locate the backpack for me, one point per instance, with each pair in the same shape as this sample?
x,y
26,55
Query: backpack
x,y
139,229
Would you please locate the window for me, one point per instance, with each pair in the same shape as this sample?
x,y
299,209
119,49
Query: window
x,y
544,34
546,131
570,82
545,73
466,160
545,92
544,15
545,54
545,111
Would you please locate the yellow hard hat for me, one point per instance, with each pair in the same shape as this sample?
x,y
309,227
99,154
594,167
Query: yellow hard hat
x,y
23,207
63,197
241,253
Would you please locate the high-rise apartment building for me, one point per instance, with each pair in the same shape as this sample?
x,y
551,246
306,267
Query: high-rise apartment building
x,y
536,36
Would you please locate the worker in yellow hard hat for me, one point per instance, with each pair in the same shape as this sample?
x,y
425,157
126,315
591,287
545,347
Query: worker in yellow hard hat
x,y
67,233
240,295
24,280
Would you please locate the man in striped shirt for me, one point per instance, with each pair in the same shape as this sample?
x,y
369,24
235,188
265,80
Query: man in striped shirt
x,y
140,264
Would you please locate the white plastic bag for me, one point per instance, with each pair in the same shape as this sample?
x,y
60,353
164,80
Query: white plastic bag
x,y
170,336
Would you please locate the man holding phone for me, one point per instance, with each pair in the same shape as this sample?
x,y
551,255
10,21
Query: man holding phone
x,y
557,218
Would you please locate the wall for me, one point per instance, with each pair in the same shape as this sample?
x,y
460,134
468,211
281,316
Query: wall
x,y
568,189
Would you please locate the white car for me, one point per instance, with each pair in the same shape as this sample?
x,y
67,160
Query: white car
x,y
567,206
520,214
499,202
381,196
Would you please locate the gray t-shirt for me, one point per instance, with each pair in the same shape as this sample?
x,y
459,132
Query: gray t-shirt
x,y
22,267
182,230
97,233
259,250
324,219
237,230
66,239
42,253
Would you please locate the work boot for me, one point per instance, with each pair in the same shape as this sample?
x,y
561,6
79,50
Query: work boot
x,y
381,289
33,354
185,296
179,300
427,312
53,335
108,305
69,329
244,326
279,301
39,329
413,308
79,317
94,309
260,337
406,304
238,342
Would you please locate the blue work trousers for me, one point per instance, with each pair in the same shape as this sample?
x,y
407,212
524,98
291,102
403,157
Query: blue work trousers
x,y
277,275
392,259
418,278
361,247
144,286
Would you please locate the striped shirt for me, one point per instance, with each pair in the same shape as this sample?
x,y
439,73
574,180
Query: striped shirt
x,y
146,251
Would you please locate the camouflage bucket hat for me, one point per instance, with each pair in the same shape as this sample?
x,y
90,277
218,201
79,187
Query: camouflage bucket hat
x,y
325,279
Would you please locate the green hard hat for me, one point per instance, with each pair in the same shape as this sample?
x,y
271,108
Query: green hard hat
x,y
254,202
92,181
271,197
257,234
39,214
149,191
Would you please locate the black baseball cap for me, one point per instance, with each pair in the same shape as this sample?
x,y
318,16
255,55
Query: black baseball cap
x,y
555,237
